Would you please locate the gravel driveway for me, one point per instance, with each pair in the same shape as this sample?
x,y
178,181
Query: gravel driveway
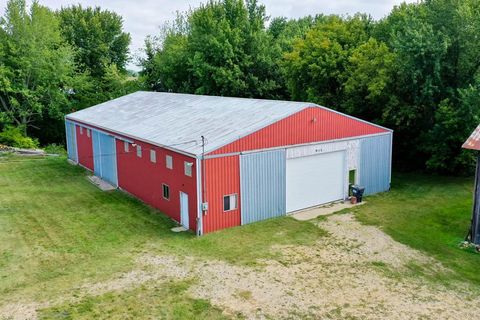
x,y
356,272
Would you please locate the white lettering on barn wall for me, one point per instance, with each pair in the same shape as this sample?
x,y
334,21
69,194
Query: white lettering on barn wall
x,y
352,148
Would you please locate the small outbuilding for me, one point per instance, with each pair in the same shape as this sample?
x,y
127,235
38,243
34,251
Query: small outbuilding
x,y
217,162
473,143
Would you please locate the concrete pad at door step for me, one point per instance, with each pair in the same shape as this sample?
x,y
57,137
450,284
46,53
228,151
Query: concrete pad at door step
x,y
102,184
312,213
179,229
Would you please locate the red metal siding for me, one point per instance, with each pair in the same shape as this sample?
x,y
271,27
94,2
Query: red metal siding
x,y
144,179
84,148
309,125
222,177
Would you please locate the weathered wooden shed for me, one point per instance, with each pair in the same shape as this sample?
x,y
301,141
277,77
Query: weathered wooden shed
x,y
217,162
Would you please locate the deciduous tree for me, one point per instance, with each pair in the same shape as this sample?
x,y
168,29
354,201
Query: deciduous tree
x,y
36,65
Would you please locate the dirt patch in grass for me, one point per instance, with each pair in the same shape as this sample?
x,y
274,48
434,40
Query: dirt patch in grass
x,y
152,300
20,310
356,271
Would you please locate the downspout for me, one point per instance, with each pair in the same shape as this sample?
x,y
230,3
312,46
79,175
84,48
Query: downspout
x,y
204,186
201,187
199,197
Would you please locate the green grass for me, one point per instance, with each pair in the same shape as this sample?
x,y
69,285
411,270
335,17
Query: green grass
x,y
58,231
431,214
158,301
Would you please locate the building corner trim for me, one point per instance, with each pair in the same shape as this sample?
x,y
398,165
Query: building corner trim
x,y
199,230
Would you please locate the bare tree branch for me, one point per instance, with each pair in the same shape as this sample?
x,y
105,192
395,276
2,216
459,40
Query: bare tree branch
x,y
8,110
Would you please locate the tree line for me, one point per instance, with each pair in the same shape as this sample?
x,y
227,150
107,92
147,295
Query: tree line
x,y
56,62
415,71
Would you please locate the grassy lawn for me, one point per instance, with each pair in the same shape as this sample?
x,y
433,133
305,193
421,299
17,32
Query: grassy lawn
x,y
431,214
58,231
164,301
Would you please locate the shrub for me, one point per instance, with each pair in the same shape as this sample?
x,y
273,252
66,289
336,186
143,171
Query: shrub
x,y
15,137
55,149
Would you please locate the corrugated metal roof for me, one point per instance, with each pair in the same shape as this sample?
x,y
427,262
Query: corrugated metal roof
x,y
179,120
171,119
473,142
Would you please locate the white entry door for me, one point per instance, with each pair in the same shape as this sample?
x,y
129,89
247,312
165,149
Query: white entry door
x,y
315,180
184,209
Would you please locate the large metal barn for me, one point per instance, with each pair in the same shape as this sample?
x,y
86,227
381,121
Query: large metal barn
x,y
217,162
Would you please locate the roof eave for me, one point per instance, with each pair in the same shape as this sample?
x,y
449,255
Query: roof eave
x,y
189,154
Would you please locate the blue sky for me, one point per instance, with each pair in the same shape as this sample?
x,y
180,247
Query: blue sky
x,y
143,17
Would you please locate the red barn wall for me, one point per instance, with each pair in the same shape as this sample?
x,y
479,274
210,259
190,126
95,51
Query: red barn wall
x,y
222,177
143,179
312,124
84,148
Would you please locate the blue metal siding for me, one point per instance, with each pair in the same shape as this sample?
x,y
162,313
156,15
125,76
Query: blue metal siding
x,y
71,137
375,163
104,157
97,165
262,185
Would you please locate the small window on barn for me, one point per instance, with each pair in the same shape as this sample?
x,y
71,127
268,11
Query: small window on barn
x,y
88,133
169,162
166,192
139,151
188,168
126,146
153,156
81,130
230,202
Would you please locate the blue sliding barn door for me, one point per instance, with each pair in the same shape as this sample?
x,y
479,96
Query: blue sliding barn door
x,y
263,185
376,163
104,157
71,136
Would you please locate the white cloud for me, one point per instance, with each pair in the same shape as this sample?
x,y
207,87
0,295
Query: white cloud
x,y
142,18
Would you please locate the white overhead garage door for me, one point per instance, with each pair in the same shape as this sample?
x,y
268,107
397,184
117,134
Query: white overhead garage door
x,y
315,180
